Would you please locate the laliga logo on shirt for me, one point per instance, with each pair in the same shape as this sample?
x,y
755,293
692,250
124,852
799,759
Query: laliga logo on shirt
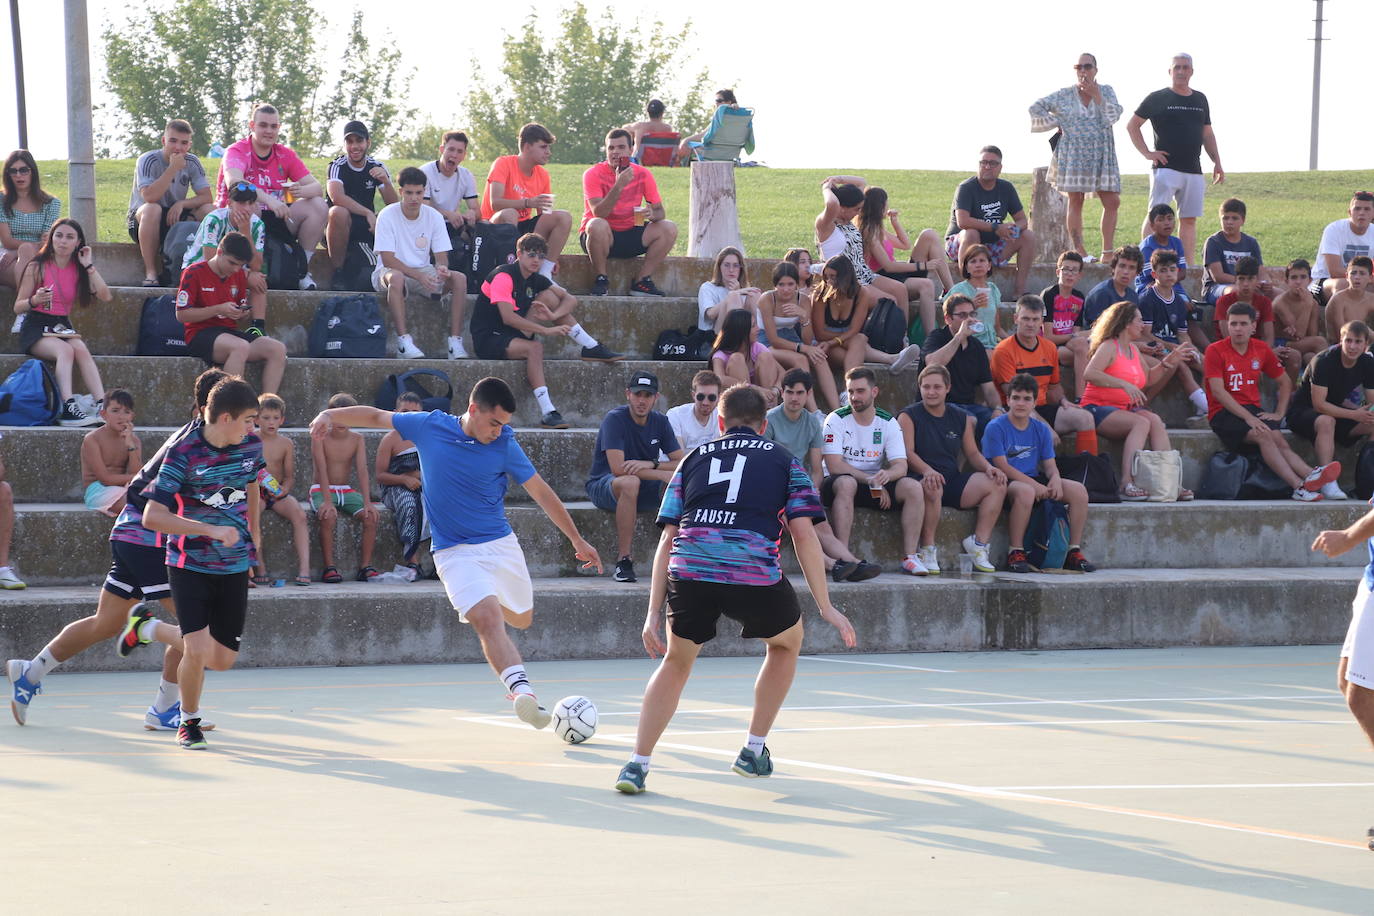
x,y
182,298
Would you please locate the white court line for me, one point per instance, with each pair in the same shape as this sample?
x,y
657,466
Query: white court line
x,y
1041,723
989,703
1200,785
850,661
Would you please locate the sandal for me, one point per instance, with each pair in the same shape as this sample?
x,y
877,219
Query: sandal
x,y
151,282
367,574
1133,494
1185,496
264,581
301,580
331,575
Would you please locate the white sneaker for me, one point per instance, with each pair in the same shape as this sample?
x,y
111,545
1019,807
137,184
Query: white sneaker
x,y
406,349
527,708
907,357
981,561
18,324
307,283
1331,491
931,558
1306,496
8,580
455,348
913,565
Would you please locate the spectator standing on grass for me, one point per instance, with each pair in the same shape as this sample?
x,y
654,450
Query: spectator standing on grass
x,y
159,200
624,217
355,179
1335,398
979,215
292,199
697,421
1083,159
519,193
1182,122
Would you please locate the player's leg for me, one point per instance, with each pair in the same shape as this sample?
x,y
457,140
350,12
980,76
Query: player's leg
x,y
1355,673
213,609
770,689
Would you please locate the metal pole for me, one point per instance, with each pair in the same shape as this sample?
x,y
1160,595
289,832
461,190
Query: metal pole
x,y
80,135
19,75
1316,88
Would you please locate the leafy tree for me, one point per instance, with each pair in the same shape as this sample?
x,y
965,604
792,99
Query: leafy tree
x,y
420,143
206,61
587,79
369,89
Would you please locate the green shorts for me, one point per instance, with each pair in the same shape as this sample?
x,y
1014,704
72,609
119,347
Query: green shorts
x,y
348,500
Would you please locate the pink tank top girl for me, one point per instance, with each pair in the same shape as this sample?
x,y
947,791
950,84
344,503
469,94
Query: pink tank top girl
x,y
62,282
1125,366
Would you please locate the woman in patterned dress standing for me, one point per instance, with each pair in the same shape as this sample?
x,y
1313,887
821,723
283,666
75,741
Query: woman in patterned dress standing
x,y
1084,157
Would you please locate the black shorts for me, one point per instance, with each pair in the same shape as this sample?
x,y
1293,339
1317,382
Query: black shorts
x,y
526,225
625,243
203,344
492,344
903,277
863,498
1232,430
215,600
359,232
36,324
763,611
1304,423
1048,412
954,489
137,571
163,228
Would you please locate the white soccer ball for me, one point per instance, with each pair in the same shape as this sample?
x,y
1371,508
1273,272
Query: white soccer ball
x,y
574,719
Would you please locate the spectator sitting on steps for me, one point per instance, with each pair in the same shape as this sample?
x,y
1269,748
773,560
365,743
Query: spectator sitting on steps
x,y
355,178
519,193
159,199
624,217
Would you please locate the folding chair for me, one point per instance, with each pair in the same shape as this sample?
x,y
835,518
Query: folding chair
x,y
731,130
659,148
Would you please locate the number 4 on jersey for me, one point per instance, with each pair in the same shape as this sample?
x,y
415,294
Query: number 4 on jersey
x,y
735,476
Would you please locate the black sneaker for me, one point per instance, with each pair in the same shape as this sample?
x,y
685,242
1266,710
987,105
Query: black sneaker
x,y
601,285
254,332
1018,561
130,639
1077,562
624,570
866,570
553,420
73,415
600,354
843,570
190,736
644,286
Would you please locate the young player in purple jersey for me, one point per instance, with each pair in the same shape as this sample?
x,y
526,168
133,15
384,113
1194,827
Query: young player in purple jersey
x,y
722,520
137,577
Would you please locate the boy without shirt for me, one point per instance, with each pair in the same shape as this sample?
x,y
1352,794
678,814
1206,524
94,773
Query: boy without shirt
x,y
279,455
336,455
1295,311
111,455
1355,302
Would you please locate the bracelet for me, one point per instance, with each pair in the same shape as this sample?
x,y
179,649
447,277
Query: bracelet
x,y
90,267
798,348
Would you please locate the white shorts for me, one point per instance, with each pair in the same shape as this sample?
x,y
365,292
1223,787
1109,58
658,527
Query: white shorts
x,y
1167,185
471,572
1359,640
413,286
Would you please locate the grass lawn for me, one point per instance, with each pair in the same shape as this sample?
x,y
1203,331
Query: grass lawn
x,y
777,206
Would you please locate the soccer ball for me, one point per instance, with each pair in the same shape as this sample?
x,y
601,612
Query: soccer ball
x,y
574,719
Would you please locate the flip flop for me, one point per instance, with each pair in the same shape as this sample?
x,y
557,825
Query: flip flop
x,y
301,580
264,581
150,283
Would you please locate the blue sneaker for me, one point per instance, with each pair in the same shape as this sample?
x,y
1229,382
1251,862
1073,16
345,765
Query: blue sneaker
x,y
631,780
750,764
170,720
24,690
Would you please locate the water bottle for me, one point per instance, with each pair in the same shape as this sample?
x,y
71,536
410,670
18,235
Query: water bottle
x,y
270,483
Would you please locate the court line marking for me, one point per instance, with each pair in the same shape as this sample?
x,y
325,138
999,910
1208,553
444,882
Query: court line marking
x,y
850,661
989,703
1200,785
1034,723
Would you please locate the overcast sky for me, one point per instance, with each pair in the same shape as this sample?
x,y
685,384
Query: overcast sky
x,y
886,85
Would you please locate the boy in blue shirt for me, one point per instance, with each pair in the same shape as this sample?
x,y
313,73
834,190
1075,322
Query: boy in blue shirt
x,y
1161,238
1224,249
1023,450
1165,307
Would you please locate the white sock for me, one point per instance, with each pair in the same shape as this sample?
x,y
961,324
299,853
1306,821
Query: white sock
x,y
42,663
404,338
195,714
148,630
547,267
755,744
516,681
579,334
641,759
167,694
1199,400
542,396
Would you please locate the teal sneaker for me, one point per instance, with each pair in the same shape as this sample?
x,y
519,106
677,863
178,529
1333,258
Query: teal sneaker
x,y
631,780
750,764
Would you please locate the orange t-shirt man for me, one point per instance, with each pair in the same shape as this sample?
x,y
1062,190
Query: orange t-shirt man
x,y
518,184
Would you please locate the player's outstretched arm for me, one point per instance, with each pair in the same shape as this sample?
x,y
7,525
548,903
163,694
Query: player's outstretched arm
x,y
553,507
658,594
358,415
1335,543
808,548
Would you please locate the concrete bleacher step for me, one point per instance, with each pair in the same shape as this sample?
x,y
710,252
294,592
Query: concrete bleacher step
x,y
43,463
369,624
65,544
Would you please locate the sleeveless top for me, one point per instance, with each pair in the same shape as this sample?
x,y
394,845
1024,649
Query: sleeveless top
x,y
839,325
1125,366
847,240
62,281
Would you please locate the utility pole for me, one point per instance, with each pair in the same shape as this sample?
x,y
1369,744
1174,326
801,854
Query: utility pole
x,y
80,134
1316,88
19,105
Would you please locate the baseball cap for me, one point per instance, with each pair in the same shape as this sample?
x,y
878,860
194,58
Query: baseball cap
x,y
642,381
356,127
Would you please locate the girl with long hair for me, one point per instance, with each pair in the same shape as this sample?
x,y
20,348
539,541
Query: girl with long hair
x,y
739,359
785,326
726,291
27,212
839,308
927,253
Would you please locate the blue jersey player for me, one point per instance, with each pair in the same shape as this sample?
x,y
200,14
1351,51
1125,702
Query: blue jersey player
x,y
722,520
464,461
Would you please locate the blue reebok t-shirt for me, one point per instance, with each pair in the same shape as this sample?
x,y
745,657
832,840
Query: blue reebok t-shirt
x,y
1024,449
464,495
639,443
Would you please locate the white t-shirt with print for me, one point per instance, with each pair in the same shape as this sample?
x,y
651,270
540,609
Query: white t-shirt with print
x,y
412,241
869,448
1338,239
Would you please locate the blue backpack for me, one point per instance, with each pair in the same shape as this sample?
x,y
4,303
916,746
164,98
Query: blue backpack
x,y
1049,535
29,396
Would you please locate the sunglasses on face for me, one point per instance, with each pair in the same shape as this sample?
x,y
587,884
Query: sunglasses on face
x,y
246,186
990,163
20,170
708,398
1083,66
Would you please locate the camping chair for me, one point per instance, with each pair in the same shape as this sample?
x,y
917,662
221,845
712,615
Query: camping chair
x,y
658,148
731,130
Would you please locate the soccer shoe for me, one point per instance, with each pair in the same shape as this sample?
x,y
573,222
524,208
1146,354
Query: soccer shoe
x,y
1077,562
1321,476
600,286
930,556
912,564
631,779
9,579
553,420
406,349
750,764
1017,561
1330,490
600,354
170,720
907,357
1304,495
190,736
624,570
644,286
527,709
24,690
842,570
131,637
865,571
981,561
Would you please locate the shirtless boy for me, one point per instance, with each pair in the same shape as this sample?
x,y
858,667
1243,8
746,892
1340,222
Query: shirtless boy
x,y
275,486
111,455
1355,302
1295,311
335,456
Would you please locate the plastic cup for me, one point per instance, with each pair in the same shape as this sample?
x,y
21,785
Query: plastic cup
x,y
547,208
965,564
641,215
875,492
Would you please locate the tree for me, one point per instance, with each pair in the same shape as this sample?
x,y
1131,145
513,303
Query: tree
x,y
421,143
583,82
205,62
369,88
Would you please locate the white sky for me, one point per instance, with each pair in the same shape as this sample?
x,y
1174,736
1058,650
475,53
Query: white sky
x,y
880,84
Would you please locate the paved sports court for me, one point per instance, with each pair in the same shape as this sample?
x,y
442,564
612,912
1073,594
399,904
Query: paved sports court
x,y
1229,780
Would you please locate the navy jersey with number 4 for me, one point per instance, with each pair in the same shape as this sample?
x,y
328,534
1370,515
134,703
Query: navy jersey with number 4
x,y
729,498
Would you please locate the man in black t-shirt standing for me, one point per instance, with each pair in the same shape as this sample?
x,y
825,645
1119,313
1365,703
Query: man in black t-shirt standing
x,y
352,186
1334,398
979,215
1182,123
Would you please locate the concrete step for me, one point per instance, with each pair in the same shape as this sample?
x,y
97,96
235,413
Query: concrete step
x,y
626,325
65,544
368,624
43,463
